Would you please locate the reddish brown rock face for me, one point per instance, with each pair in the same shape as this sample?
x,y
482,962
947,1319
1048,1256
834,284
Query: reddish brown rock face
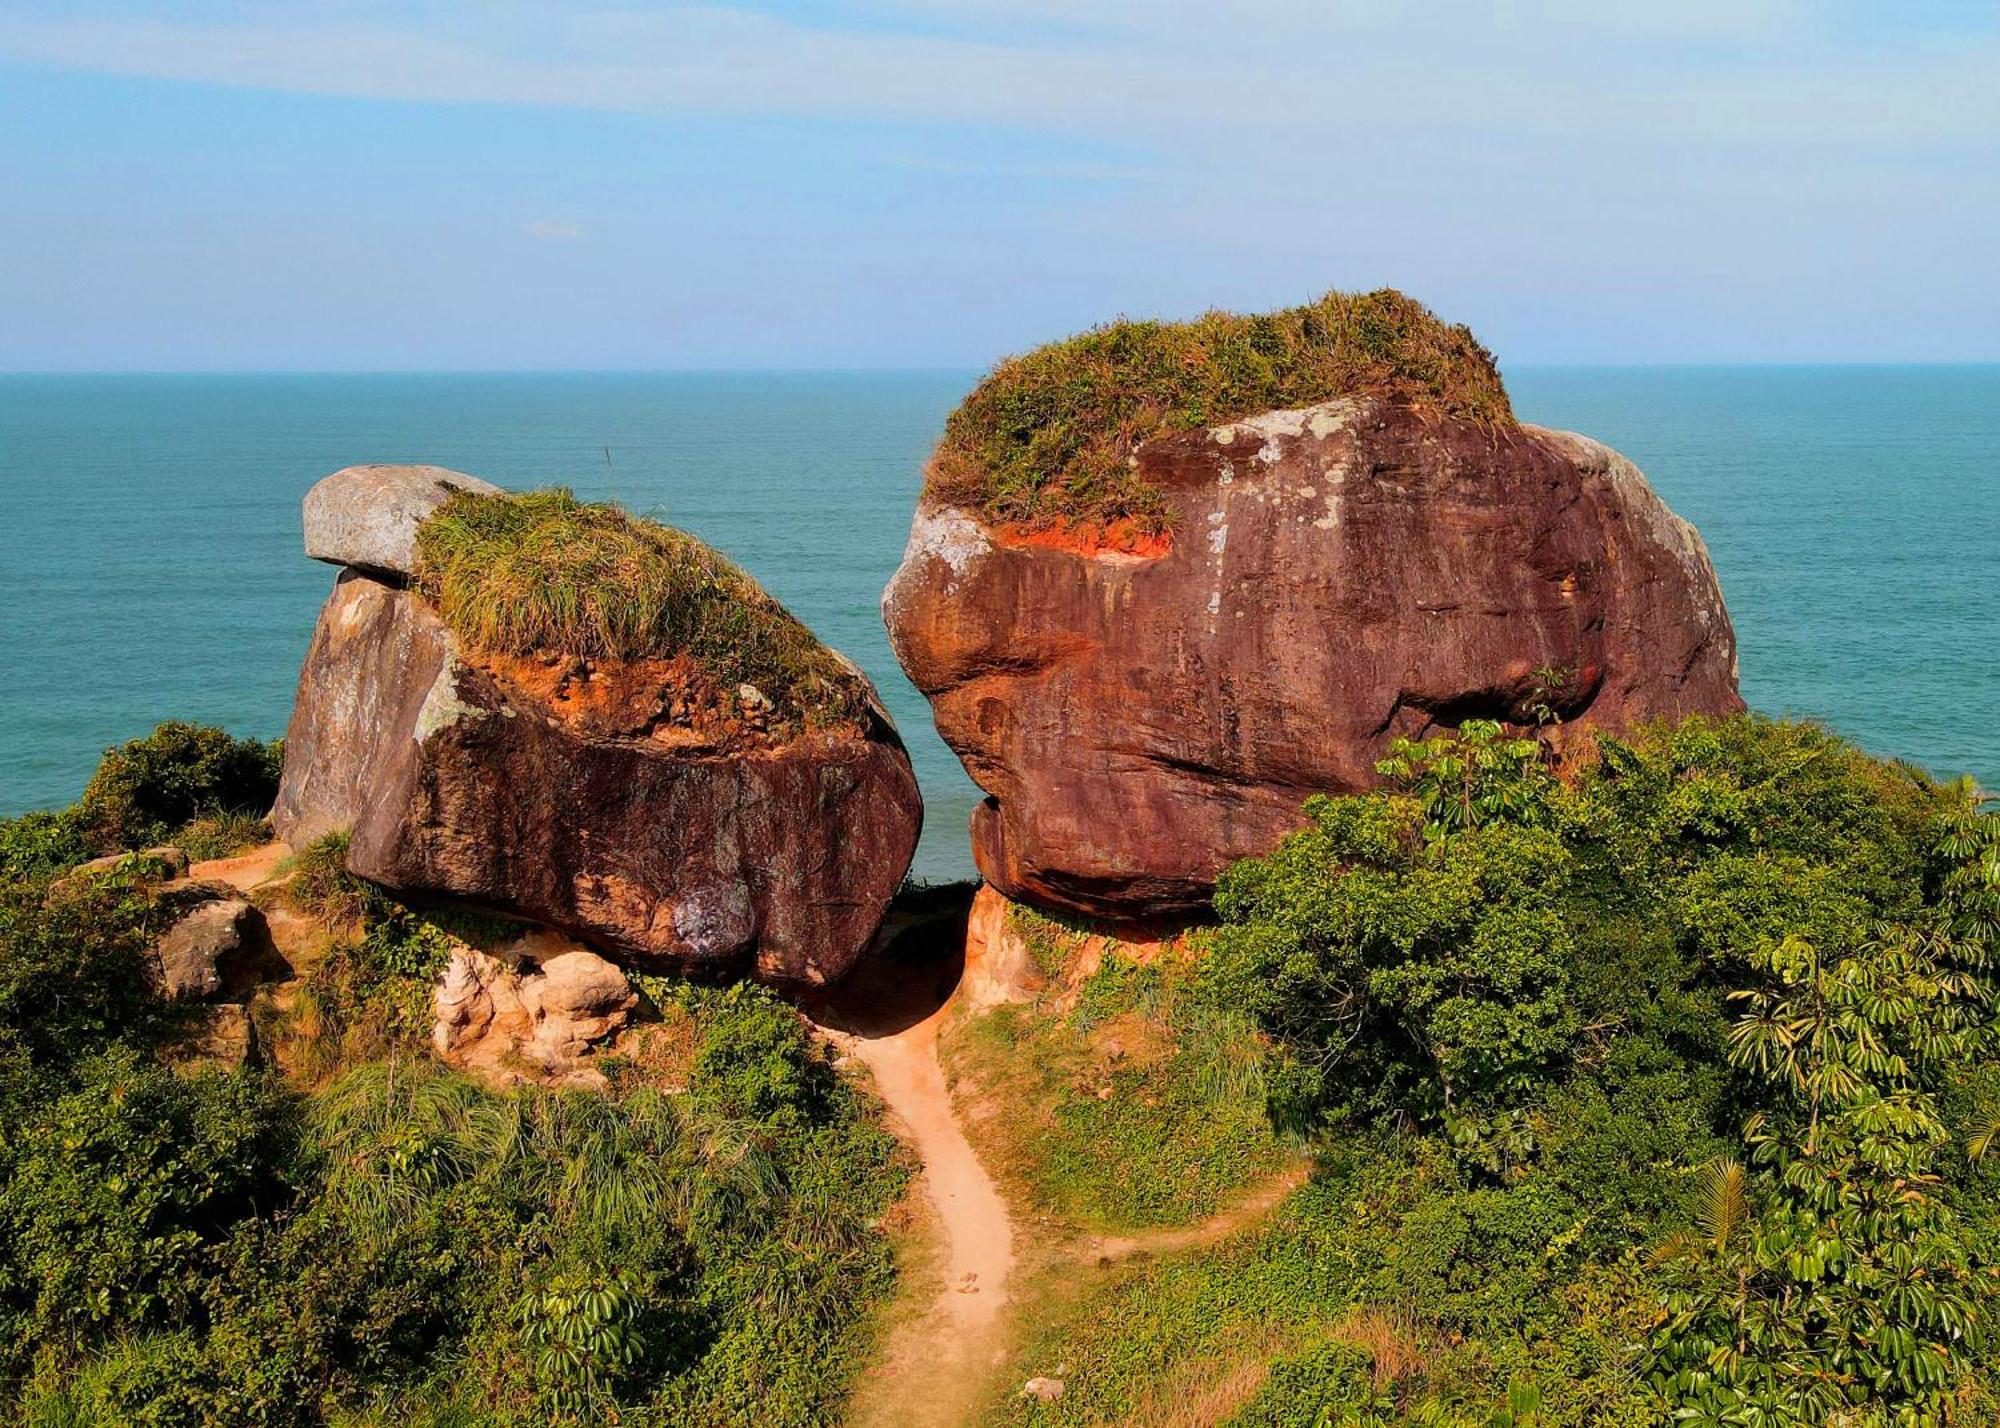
x,y
1336,577
773,858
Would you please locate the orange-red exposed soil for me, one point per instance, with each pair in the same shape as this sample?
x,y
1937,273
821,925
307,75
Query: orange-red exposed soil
x,y
671,701
1089,538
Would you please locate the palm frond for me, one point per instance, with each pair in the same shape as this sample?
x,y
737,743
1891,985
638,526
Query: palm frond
x,y
1985,1134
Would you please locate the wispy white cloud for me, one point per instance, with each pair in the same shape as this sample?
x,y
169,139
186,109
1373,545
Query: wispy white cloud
x,y
1122,68
1006,167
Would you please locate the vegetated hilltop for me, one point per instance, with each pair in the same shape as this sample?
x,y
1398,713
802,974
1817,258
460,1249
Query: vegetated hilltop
x,y
1671,1095
566,714
1048,436
345,1231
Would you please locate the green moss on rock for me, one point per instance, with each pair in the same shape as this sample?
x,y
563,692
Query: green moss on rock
x,y
1047,436
540,572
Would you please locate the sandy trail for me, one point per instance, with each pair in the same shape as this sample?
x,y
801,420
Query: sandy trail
x,y
1254,1206
978,1235
950,1335
246,871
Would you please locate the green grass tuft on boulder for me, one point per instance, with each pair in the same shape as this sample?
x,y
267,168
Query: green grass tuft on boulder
x,y
1047,436
541,572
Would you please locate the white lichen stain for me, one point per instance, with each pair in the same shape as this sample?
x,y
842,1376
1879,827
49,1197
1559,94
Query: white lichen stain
x,y
1329,418
1331,519
1290,422
442,707
949,534
1321,421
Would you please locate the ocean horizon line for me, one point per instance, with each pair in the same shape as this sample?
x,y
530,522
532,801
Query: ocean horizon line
x,y
275,373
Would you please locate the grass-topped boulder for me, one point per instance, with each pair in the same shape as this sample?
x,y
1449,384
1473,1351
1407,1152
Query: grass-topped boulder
x,y
1165,576
569,715
542,573
1047,437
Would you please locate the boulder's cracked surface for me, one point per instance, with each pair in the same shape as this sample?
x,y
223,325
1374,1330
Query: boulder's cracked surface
x,y
212,953
1142,712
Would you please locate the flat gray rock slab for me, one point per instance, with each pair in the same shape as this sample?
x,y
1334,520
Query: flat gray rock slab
x,y
366,517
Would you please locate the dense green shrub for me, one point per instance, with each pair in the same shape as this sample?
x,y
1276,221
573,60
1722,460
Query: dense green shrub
x,y
112,1192
36,846
1730,939
1329,1383
1048,435
1445,974
73,968
405,1245
146,789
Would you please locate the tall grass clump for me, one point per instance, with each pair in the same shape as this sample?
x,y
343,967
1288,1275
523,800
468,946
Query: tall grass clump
x,y
1047,436
542,572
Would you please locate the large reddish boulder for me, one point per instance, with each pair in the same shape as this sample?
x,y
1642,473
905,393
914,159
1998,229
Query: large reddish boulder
x,y
1144,709
616,802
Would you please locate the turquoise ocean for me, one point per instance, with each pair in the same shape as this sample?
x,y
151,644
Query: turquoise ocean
x,y
150,562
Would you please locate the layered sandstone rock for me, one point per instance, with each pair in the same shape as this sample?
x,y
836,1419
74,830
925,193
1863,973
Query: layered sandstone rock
x,y
1142,711
999,967
627,804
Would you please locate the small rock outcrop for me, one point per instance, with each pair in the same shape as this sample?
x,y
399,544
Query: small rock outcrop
x,y
664,816
366,517
533,1010
213,952
1144,706
999,967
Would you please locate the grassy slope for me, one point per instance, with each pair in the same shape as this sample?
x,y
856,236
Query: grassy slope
x,y
1123,1101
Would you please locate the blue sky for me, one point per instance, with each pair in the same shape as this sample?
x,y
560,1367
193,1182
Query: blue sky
x,y
308,184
